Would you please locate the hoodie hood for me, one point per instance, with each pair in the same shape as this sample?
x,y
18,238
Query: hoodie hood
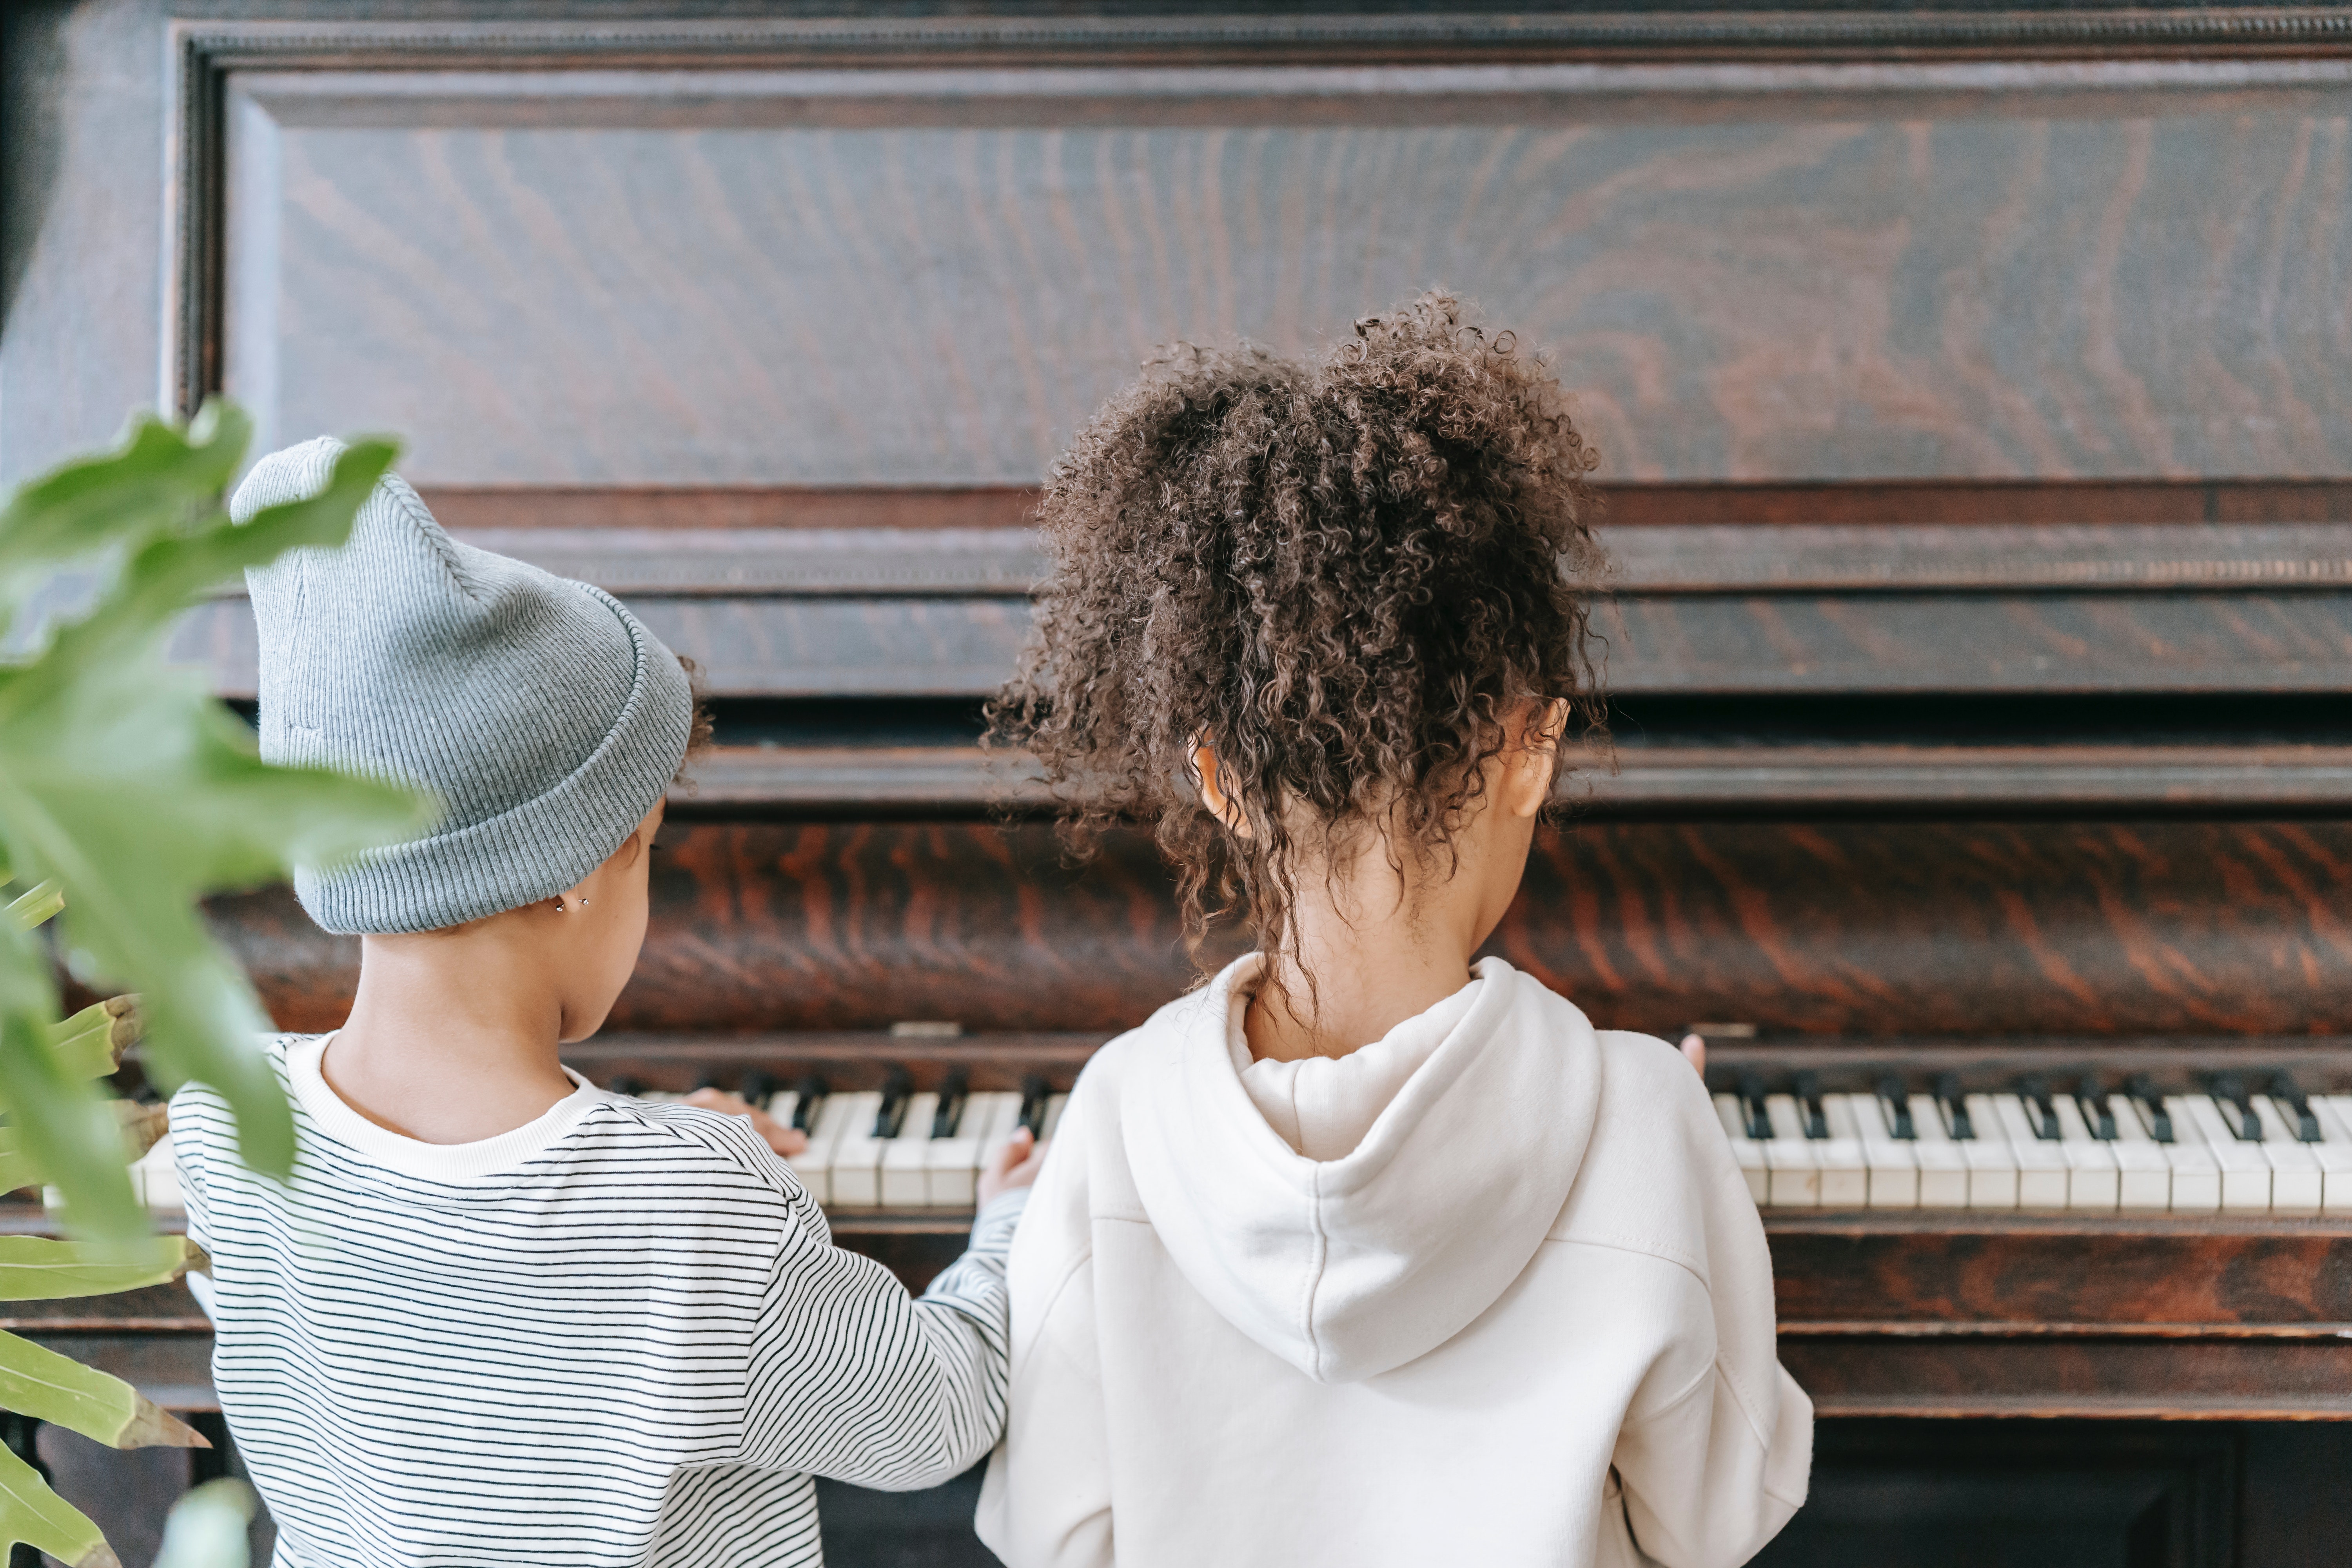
x,y
1350,1267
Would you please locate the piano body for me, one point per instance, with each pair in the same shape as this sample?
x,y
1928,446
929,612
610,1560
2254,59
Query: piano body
x,y
1971,391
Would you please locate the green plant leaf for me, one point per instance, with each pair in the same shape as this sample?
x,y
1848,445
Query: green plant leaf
x,y
123,780
42,1269
157,481
61,1124
32,1513
39,1383
35,907
208,1528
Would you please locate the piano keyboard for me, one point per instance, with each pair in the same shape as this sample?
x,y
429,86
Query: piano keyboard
x,y
2264,1147
895,1147
2243,1146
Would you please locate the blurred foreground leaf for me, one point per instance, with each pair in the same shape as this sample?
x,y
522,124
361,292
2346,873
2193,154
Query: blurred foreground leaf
x,y
208,1528
127,785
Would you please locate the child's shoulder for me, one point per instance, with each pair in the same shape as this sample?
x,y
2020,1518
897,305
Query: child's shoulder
x,y
1658,1176
685,1139
197,1107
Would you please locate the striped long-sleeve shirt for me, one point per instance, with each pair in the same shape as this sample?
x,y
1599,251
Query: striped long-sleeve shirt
x,y
620,1334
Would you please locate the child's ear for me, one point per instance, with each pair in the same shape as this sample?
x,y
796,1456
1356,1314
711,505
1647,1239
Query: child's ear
x,y
1534,760
1221,806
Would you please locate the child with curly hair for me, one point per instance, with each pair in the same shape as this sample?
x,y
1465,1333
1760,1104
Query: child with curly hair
x,y
1370,1251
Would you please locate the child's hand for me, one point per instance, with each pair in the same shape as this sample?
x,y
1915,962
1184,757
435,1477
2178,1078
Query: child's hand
x,y
1016,1165
1695,1051
785,1141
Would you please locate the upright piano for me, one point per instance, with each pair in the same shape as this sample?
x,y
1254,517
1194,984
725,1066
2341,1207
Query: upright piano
x,y
1972,391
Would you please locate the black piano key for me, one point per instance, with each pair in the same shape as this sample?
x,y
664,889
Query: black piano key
x,y
1897,1106
898,1089
955,1089
2229,1091
2285,1092
756,1089
2142,1087
1954,1100
1034,1091
622,1083
2034,1090
1752,1106
2093,1102
1809,1104
812,1091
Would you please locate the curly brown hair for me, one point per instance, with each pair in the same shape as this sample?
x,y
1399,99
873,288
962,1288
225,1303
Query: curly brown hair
x,y
700,728
1345,575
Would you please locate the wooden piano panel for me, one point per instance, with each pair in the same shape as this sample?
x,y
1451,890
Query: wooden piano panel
x,y
2135,928
548,259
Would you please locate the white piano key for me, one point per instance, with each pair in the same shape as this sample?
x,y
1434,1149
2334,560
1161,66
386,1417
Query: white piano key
x,y
1747,1150
953,1163
1000,1134
905,1165
2093,1174
2043,1171
2334,1151
2142,1170
1053,1104
155,1178
1845,1170
813,1165
1795,1164
1992,1164
1943,1166
1889,1163
2196,1172
858,1154
2297,1184
2245,1173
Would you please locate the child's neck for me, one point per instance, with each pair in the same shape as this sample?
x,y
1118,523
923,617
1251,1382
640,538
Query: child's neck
x,y
1381,952
450,1041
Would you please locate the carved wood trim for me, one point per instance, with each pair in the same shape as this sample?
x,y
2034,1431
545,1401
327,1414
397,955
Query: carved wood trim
x,y
1428,58
960,780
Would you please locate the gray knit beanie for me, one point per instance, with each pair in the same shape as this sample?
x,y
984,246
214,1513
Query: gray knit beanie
x,y
537,711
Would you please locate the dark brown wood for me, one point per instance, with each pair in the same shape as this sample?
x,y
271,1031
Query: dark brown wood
x,y
2118,1378
874,780
824,558
679,507
1765,646
1924,285
1985,929
1940,504
1961,1274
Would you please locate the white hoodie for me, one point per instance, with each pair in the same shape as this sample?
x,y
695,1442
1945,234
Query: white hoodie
x,y
1525,1316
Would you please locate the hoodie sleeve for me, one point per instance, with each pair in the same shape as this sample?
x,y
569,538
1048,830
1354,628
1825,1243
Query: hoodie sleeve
x,y
1046,1500
1713,1469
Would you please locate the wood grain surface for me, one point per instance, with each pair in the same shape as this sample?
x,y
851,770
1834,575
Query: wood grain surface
x,y
832,278
1872,928
1775,644
1751,779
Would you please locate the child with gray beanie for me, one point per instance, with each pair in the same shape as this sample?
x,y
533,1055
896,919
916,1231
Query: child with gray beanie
x,y
497,1315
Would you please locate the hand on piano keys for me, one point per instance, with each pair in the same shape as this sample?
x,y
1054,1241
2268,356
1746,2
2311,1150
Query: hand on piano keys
x,y
2259,1146
895,1147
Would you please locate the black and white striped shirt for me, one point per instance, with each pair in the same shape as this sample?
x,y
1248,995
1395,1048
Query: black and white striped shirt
x,y
620,1334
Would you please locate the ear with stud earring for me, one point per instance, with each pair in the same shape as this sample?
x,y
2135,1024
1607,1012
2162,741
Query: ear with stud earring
x,y
563,908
